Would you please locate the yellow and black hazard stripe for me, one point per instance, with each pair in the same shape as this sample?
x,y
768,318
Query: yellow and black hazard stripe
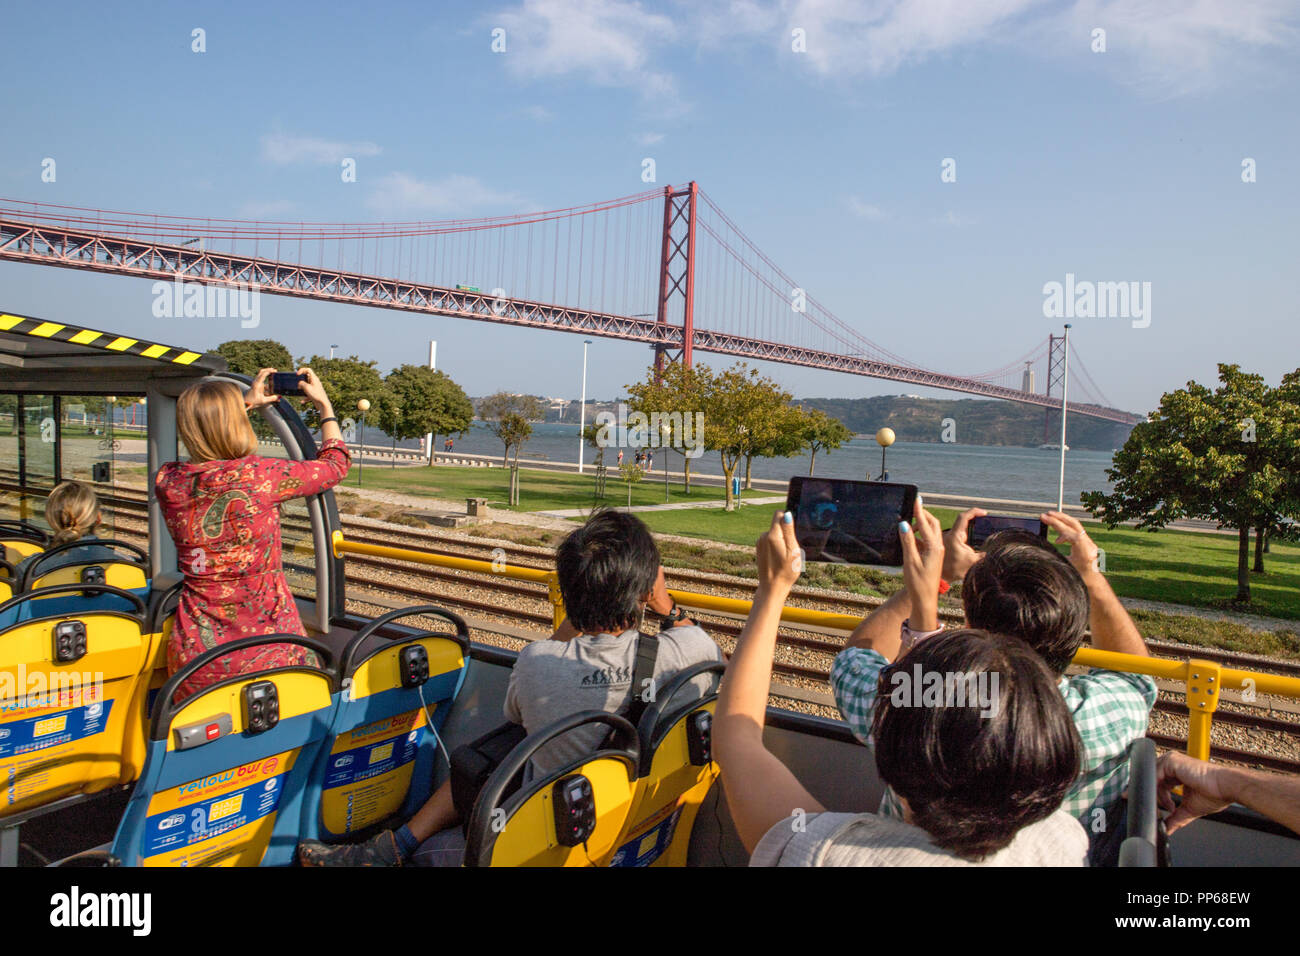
x,y
124,344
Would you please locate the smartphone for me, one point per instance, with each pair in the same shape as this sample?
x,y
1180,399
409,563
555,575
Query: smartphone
x,y
286,383
982,527
850,522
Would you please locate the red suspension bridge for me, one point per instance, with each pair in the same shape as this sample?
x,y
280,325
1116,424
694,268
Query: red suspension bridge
x,y
665,267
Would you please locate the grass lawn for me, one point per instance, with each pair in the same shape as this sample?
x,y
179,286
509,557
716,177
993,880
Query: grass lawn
x,y
538,490
1180,567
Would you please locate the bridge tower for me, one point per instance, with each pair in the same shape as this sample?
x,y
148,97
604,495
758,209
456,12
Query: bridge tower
x,y
677,273
1055,373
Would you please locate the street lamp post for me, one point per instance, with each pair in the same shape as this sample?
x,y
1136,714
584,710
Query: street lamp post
x,y
363,406
582,419
332,348
885,438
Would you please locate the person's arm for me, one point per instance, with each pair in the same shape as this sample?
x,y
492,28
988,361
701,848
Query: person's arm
x,y
1112,628
314,392
1209,788
662,603
761,791
880,630
301,479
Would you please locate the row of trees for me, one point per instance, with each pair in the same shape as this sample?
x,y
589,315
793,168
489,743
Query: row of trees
x,y
410,402
746,415
1229,455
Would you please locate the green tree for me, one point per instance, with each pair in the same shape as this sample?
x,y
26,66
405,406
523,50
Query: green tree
x,y
592,436
778,427
630,474
735,406
347,381
1216,455
424,401
250,356
510,417
675,399
822,433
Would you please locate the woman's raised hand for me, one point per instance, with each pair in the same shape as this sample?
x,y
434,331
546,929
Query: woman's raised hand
x,y
780,561
313,390
259,393
922,566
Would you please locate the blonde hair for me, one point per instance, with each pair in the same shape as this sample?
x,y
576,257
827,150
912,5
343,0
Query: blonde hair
x,y
213,422
72,512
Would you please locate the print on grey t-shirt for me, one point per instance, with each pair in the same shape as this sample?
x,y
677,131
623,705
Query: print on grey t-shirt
x,y
555,679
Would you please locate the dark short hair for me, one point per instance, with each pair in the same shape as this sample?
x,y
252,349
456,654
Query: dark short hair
x,y
1026,588
606,568
973,779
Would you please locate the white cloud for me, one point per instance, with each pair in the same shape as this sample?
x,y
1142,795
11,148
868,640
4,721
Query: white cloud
x,y
849,37
1161,47
1168,48
284,149
649,139
539,114
401,194
609,42
865,210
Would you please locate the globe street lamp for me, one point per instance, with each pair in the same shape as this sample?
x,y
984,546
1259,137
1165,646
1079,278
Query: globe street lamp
x,y
363,406
885,438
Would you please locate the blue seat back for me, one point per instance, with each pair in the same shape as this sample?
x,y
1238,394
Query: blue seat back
x,y
380,758
217,792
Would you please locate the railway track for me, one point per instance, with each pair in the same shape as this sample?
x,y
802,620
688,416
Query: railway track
x,y
484,594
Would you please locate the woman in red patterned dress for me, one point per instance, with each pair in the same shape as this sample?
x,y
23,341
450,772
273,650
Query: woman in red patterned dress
x,y
222,509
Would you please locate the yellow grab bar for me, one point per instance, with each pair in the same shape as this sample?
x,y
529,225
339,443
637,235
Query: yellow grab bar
x,y
1204,680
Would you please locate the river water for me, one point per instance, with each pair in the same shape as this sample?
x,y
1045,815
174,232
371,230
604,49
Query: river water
x,y
1028,474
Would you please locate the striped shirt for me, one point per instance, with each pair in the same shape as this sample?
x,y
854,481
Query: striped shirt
x,y
1110,710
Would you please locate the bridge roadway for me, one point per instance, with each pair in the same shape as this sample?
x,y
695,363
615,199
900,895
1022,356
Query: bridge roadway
x,y
53,245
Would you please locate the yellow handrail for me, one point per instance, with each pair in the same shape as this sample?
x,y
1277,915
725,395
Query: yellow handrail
x,y
1205,680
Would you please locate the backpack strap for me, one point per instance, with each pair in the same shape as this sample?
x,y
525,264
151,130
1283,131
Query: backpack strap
x,y
647,655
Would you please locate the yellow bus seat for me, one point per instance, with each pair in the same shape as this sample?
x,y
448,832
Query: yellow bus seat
x,y
228,767
396,691
129,572
66,682
676,773
569,817
18,540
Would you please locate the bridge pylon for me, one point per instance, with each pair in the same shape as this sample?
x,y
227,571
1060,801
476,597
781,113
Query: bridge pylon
x,y
1055,376
676,304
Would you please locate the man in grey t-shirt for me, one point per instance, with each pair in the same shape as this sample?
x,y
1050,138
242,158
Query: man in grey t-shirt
x,y
610,579
556,678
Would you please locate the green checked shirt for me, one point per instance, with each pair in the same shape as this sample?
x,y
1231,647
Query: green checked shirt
x,y
1110,709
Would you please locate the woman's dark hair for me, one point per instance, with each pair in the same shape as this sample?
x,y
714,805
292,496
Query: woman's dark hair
x,y
1028,589
606,568
997,750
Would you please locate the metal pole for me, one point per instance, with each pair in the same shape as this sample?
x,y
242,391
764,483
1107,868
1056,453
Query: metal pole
x,y
361,451
1065,390
582,420
428,439
882,463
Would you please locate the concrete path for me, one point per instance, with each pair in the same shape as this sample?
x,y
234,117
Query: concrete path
x,y
679,506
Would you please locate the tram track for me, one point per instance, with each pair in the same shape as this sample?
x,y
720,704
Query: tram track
x,y
799,647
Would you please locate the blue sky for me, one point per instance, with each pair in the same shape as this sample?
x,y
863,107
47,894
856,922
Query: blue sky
x,y
1115,166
